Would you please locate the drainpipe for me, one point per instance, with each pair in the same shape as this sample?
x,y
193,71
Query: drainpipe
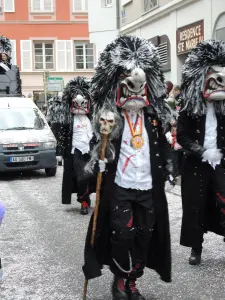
x,y
118,15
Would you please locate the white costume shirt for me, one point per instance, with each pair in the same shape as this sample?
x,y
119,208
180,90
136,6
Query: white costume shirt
x,y
133,169
210,141
82,133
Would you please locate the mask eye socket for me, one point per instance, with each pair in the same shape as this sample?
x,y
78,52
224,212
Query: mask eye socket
x,y
220,79
111,121
102,120
130,84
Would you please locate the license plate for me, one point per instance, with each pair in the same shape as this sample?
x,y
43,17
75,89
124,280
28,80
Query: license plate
x,y
22,159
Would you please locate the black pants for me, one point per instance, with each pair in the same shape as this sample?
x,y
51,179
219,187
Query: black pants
x,y
219,186
177,156
79,161
132,222
215,180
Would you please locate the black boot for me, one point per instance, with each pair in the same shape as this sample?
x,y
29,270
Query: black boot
x,y
195,258
118,289
84,208
132,291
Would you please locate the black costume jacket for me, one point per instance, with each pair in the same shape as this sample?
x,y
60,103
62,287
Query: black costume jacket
x,y
69,185
191,135
159,254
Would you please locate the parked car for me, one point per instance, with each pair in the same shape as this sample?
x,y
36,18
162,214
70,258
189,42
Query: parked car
x,y
26,140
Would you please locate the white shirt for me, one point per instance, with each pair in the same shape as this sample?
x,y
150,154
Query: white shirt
x,y
82,133
210,141
133,169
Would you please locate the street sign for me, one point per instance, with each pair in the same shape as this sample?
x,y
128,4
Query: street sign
x,y
55,84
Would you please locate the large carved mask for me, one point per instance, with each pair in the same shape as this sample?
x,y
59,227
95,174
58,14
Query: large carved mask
x,y
214,88
80,105
132,91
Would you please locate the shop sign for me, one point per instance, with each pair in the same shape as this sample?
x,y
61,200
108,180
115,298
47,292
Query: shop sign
x,y
189,36
55,84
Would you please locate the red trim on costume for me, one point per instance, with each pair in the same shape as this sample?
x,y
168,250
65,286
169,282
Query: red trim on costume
x,y
127,162
84,204
220,197
130,223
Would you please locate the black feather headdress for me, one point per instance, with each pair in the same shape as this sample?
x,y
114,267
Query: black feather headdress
x,y
121,57
194,72
79,85
5,46
59,107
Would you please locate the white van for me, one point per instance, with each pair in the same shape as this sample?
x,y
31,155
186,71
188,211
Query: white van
x,y
26,140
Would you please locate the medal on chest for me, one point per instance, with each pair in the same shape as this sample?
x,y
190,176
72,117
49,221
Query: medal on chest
x,y
137,140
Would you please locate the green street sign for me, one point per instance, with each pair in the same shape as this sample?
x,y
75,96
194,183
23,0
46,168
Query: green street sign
x,y
55,84
55,79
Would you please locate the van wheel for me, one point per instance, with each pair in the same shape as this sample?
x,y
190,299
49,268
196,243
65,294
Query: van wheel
x,y
50,171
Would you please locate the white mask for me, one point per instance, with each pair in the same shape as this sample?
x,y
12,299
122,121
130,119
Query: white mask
x,y
107,122
80,105
214,89
132,93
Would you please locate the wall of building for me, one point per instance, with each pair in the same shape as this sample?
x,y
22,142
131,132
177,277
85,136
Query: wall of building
x,y
103,27
166,19
63,26
135,9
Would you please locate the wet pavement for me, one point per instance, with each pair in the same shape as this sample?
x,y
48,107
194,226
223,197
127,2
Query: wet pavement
x,y
42,241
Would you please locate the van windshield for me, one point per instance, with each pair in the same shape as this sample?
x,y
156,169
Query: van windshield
x,y
21,119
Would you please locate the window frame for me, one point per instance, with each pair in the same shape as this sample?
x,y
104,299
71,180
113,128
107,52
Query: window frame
x,y
150,9
44,55
13,42
83,7
83,43
8,11
41,7
108,4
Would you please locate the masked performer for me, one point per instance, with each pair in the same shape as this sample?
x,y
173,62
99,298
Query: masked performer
x,y
132,226
201,132
5,53
74,133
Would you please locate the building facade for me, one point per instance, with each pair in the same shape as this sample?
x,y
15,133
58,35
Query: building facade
x,y
50,39
174,26
104,22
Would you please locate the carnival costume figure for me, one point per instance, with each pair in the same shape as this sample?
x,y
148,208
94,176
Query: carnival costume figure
x,y
5,53
132,226
70,116
201,132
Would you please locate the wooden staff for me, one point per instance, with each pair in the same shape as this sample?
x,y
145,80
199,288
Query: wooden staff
x,y
104,140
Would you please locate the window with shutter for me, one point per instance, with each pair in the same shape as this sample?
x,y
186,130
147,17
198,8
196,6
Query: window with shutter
x,y
64,55
26,55
80,5
150,4
48,5
163,44
163,52
41,5
13,54
220,28
9,5
84,55
43,55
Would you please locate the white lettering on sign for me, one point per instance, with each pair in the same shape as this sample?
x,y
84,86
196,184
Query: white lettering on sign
x,y
188,38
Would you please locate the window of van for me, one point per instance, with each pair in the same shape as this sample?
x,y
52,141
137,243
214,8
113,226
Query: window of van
x,y
21,119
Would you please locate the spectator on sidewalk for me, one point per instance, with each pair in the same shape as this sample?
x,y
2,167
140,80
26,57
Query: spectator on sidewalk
x,y
169,87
